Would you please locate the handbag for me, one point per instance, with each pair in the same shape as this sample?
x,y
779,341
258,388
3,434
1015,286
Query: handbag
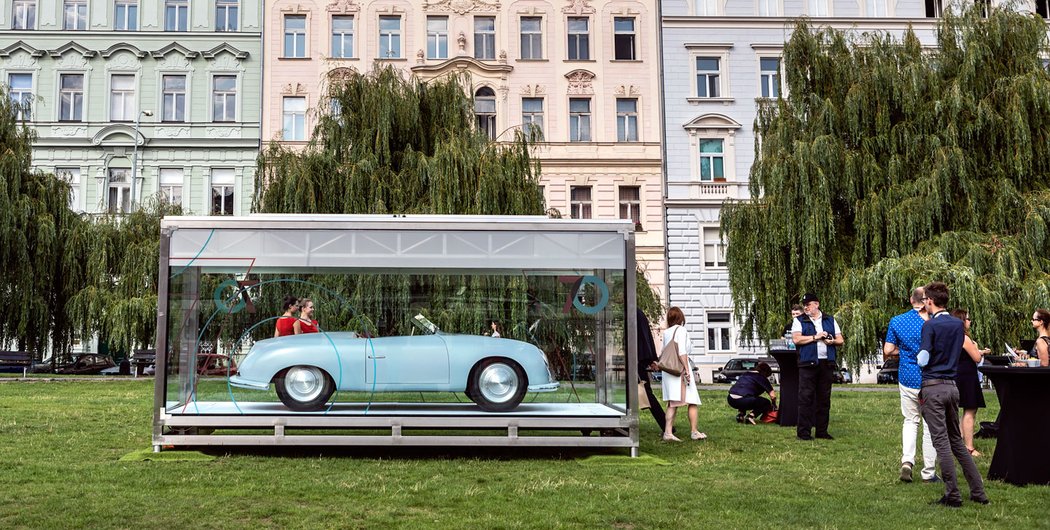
x,y
670,362
643,397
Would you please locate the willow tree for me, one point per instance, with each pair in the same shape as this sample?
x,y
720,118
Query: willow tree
x,y
38,261
890,165
384,144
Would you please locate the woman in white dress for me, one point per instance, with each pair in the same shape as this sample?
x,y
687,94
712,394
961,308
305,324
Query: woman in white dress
x,y
680,391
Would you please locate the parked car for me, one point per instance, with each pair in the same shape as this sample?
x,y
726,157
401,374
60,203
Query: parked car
x,y
215,364
737,366
888,371
87,364
306,369
842,375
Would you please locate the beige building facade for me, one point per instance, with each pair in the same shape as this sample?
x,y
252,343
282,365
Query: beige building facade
x,y
585,73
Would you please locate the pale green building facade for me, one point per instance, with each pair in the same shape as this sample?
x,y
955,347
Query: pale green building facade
x,y
170,87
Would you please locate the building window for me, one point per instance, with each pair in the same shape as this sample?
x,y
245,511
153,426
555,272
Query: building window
x,y
485,111
295,36
714,249
126,15
818,8
769,8
171,186
626,120
712,160
71,97
75,15
532,116
707,77
224,98
225,15
485,38
580,202
1042,9
623,37
122,106
119,190
24,16
934,8
295,119
630,204
176,15
579,39
343,36
579,119
72,177
531,38
875,8
437,37
389,37
719,331
769,76
707,8
21,93
174,98
222,191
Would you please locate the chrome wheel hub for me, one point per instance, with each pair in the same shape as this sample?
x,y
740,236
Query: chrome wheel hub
x,y
304,383
498,383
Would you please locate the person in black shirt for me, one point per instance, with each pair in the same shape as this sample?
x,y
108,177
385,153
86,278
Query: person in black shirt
x,y
646,362
746,394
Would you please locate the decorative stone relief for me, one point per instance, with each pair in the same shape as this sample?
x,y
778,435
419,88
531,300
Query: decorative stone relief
x,y
293,89
461,41
343,7
21,61
220,132
460,6
581,82
172,132
69,131
174,61
503,56
627,90
533,90
72,61
420,57
124,61
296,9
578,7
341,75
503,90
226,63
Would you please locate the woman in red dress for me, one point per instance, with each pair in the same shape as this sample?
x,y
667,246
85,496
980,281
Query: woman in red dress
x,y
286,322
305,323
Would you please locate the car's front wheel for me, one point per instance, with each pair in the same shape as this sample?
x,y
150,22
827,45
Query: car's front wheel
x,y
497,385
304,388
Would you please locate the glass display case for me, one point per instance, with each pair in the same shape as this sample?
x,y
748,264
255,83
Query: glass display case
x,y
402,330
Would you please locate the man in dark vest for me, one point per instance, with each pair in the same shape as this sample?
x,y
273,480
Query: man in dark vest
x,y
816,335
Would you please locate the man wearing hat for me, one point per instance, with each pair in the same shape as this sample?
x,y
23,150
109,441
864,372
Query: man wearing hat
x,y
816,335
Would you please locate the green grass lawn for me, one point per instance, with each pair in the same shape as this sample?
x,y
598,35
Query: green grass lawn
x,y
60,445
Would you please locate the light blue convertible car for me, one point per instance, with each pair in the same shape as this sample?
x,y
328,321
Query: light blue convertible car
x,y
306,369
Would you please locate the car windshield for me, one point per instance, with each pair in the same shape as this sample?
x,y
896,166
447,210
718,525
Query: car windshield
x,y
425,325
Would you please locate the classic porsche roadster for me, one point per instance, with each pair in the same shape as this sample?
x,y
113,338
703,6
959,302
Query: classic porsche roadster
x,y
307,369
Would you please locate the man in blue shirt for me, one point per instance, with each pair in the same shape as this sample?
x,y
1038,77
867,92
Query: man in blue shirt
x,y
941,344
902,340
746,394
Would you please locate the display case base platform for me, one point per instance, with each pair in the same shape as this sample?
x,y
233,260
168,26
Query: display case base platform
x,y
430,424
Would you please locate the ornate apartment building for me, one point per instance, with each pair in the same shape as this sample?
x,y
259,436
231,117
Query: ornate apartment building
x,y
135,98
583,72
719,58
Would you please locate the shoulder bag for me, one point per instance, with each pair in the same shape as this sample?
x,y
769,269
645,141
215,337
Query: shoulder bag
x,y
670,362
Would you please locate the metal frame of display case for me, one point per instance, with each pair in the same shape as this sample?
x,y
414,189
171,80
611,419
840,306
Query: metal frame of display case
x,y
449,244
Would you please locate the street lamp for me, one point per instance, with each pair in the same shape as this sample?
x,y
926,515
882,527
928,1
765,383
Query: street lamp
x,y
135,155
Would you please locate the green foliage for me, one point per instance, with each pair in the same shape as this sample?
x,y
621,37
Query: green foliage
x,y
889,166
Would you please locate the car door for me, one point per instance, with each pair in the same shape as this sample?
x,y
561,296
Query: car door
x,y
408,362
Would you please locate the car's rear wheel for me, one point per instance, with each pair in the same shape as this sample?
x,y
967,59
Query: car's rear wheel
x,y
304,388
497,385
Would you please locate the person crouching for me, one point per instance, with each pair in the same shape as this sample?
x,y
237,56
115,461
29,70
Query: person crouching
x,y
746,394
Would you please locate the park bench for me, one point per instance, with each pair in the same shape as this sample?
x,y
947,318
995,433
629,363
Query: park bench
x,y
140,359
21,359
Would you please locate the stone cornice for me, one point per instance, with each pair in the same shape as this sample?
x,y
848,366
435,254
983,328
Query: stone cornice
x,y
463,63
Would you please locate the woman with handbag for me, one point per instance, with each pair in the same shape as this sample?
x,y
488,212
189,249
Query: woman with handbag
x,y
679,389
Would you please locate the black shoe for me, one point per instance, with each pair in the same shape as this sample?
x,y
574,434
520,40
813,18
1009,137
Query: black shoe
x,y
933,480
906,472
805,437
980,501
945,501
825,436
740,418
